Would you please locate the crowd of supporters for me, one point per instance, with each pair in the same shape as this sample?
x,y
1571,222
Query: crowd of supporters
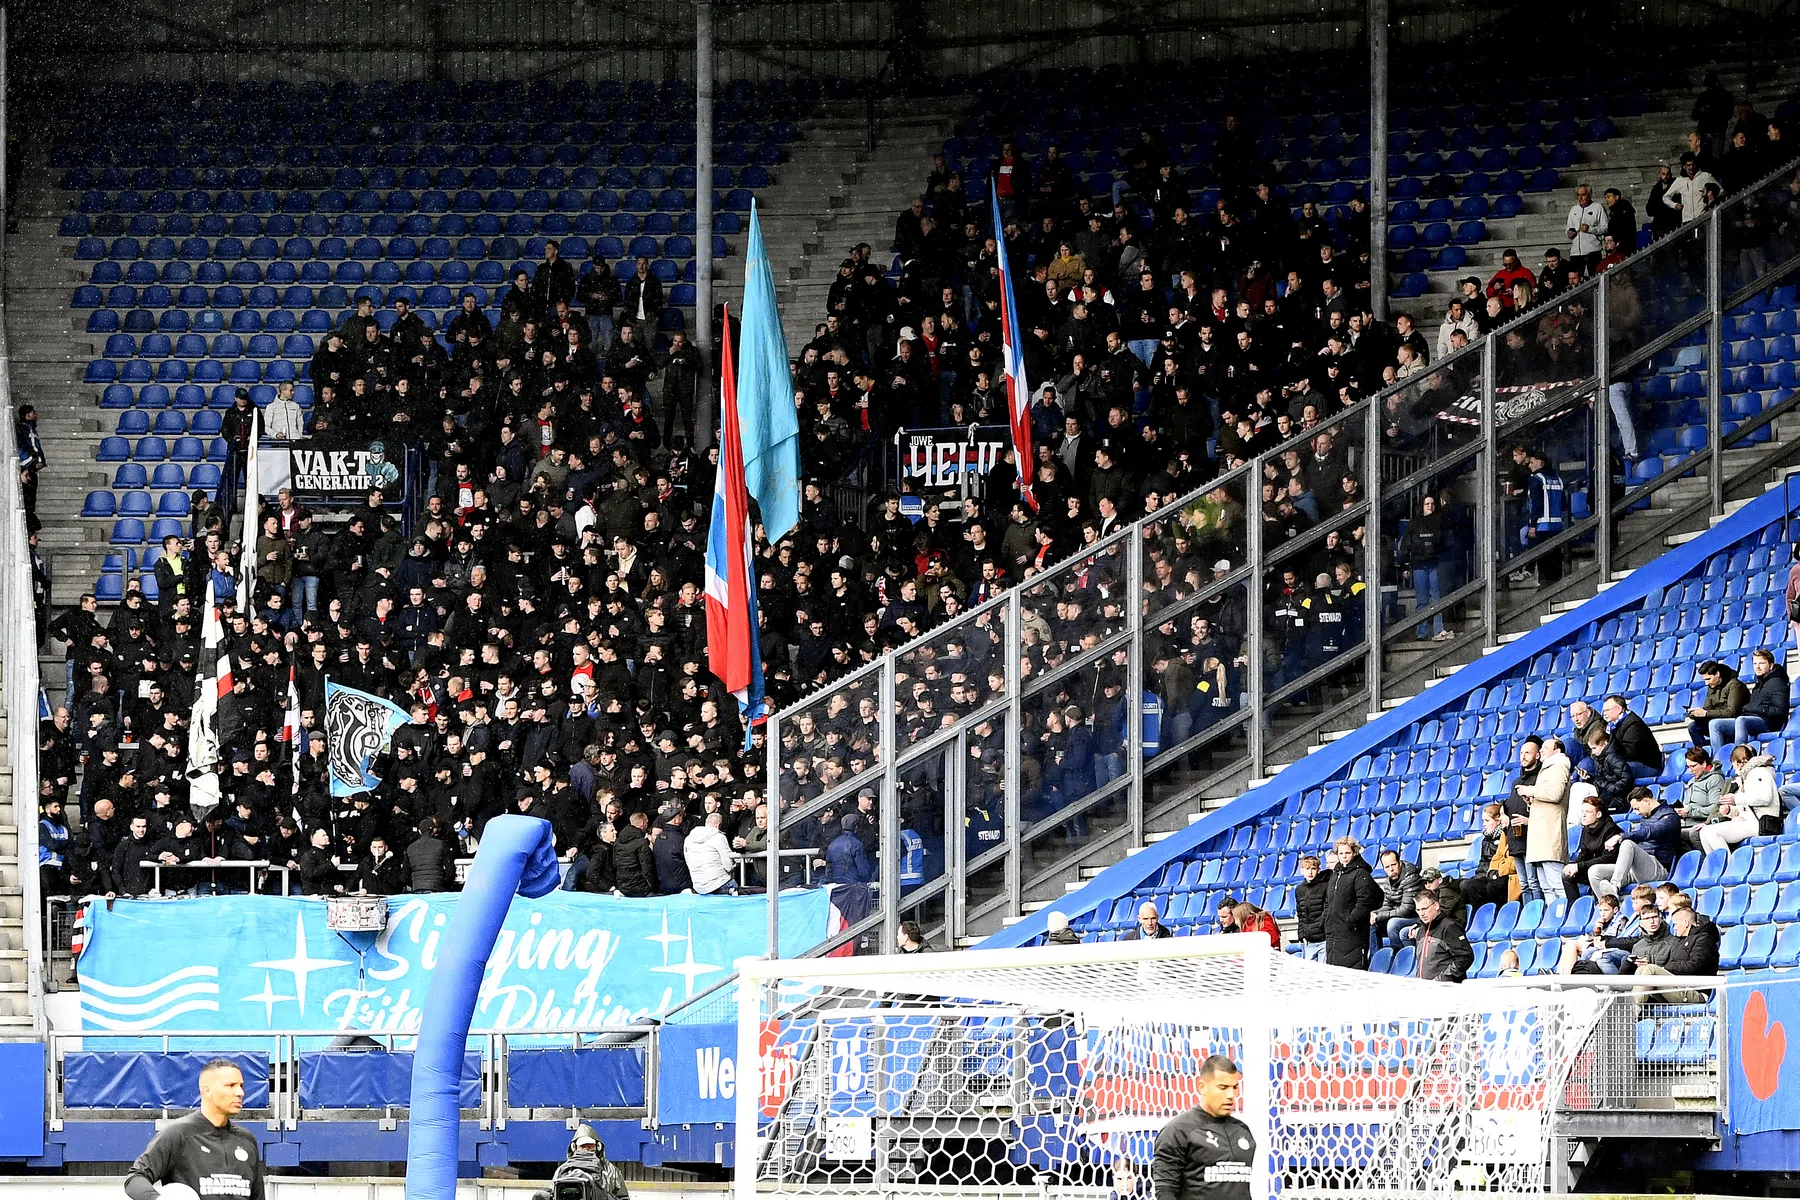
x,y
543,619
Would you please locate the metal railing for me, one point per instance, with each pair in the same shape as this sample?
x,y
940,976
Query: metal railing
x,y
1657,1047
977,810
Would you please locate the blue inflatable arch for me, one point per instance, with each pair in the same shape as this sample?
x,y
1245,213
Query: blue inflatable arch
x,y
516,858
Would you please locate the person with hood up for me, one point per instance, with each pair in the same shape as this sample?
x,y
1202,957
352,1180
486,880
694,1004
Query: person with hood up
x,y
846,861
1057,931
1420,549
588,1166
1351,896
382,473
1765,711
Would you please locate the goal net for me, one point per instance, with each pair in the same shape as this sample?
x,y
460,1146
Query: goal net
x,y
1050,1070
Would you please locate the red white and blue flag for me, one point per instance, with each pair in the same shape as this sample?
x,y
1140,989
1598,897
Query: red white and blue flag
x,y
213,684
733,645
1012,361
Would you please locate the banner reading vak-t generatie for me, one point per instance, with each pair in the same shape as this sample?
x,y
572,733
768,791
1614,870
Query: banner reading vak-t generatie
x,y
569,960
312,472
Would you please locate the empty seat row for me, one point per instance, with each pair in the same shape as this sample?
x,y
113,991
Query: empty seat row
x,y
156,449
168,422
171,503
418,273
400,249
153,397
246,226
347,179
467,202
441,165
132,476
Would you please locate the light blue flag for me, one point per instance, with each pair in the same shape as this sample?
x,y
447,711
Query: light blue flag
x,y
767,419
358,727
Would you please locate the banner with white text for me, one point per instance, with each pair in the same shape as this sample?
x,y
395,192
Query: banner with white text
x,y
570,960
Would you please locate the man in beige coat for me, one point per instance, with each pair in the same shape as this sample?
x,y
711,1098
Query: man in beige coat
x,y
1547,831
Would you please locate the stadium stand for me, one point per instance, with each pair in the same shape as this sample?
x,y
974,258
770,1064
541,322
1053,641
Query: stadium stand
x,y
1420,791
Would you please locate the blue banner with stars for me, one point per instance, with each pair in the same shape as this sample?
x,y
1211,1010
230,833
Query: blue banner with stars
x,y
570,960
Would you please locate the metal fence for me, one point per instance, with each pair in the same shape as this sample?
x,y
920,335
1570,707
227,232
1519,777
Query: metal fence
x,y
977,810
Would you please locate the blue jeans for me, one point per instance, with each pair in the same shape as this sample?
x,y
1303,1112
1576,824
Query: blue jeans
x,y
1727,732
575,873
1144,348
1426,592
1618,399
307,588
1178,729
1313,951
1388,932
1107,767
602,326
1549,880
1529,888
1643,770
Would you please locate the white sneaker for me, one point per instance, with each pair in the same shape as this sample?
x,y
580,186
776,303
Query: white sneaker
x,y
1445,636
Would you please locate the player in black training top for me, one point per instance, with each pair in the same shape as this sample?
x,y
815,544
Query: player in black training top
x,y
204,1150
1207,1153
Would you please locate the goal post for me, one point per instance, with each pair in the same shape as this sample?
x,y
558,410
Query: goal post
x,y
1039,1070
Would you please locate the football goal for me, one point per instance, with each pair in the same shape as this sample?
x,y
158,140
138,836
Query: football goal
x,y
1050,1070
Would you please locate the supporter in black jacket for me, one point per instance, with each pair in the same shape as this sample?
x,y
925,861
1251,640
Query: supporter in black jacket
x,y
1632,737
428,860
555,279
1351,895
1768,697
1309,906
1610,774
318,867
1697,943
668,847
129,877
602,875
634,862
382,873
1597,829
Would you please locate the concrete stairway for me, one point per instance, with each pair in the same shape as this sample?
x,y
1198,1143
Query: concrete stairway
x,y
15,998
50,349
50,352
834,192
